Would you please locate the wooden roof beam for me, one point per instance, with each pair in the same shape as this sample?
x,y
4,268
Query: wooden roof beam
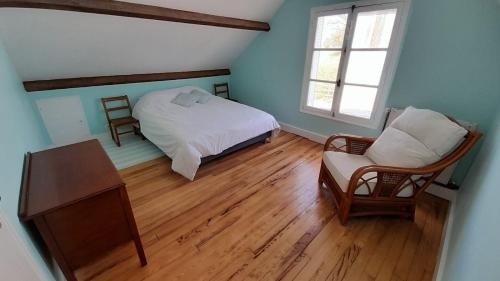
x,y
44,85
134,10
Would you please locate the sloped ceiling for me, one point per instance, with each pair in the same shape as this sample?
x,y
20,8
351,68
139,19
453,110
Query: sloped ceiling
x,y
46,44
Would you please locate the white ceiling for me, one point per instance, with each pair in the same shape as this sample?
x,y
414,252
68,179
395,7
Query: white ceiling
x,y
46,44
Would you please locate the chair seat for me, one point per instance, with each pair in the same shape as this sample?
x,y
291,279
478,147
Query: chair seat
x,y
342,165
123,121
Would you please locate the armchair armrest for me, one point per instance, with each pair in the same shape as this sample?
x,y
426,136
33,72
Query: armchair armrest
x,y
348,143
392,180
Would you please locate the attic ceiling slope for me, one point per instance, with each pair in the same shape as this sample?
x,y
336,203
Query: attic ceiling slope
x,y
47,44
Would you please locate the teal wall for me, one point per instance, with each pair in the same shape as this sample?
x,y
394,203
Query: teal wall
x,y
475,242
449,63
91,96
19,134
23,129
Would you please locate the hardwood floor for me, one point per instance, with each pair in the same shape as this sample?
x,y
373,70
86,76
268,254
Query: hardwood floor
x,y
258,214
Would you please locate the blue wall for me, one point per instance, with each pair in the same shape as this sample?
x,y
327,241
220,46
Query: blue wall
x,y
475,242
91,96
19,134
449,63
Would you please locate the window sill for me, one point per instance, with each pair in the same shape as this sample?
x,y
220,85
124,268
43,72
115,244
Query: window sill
x,y
366,123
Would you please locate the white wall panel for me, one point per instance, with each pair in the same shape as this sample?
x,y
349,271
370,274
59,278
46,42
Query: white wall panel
x,y
64,119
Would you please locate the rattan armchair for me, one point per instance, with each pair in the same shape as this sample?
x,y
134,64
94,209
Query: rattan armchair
x,y
382,196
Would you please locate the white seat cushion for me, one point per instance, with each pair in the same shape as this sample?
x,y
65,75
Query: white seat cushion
x,y
398,149
342,165
433,129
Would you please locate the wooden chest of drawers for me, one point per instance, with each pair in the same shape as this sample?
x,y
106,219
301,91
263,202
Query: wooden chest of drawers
x,y
79,204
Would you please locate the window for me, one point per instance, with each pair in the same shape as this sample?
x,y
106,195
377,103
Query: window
x,y
351,58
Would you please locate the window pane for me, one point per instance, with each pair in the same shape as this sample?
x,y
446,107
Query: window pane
x,y
358,101
325,65
320,95
374,29
330,31
365,67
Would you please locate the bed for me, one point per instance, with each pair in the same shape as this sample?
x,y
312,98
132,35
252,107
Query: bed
x,y
194,135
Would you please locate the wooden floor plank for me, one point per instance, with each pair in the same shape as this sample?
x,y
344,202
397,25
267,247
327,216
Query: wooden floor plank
x,y
368,247
258,214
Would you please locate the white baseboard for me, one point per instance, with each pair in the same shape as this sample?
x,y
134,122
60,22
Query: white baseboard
x,y
23,249
304,133
442,192
86,138
445,242
56,270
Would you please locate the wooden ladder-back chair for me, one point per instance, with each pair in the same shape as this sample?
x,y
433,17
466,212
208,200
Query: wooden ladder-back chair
x,y
116,123
382,196
222,90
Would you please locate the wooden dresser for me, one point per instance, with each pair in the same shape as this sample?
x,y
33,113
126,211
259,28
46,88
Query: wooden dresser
x,y
79,204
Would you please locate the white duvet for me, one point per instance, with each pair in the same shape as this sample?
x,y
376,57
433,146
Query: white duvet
x,y
186,134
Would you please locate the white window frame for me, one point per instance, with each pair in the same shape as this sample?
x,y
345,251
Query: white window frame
x,y
393,53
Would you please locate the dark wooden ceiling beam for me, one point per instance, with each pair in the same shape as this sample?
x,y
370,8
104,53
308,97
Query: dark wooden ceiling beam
x,y
125,9
43,85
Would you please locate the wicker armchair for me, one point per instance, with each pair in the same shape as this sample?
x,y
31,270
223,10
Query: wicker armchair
x,y
381,196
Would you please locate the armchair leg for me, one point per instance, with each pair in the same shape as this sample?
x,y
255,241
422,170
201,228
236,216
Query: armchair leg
x,y
321,174
343,220
412,215
343,212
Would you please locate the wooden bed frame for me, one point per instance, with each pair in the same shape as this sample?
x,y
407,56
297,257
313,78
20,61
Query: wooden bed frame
x,y
261,138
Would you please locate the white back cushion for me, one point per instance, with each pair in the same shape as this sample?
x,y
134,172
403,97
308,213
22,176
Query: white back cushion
x,y
397,148
433,129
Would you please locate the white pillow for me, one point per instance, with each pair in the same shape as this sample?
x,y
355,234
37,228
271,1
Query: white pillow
x,y
433,129
202,97
396,148
185,100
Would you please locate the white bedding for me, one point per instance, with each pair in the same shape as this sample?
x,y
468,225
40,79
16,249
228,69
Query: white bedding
x,y
188,134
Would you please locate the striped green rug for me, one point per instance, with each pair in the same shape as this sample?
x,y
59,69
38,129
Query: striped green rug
x,y
133,150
